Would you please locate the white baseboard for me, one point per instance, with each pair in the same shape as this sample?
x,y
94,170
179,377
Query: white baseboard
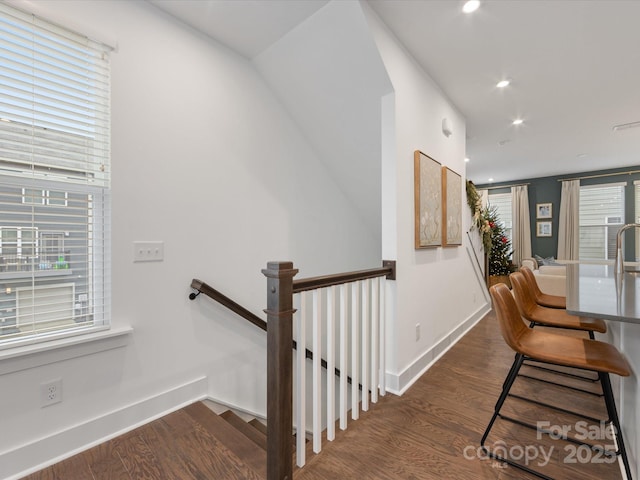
x,y
46,451
238,409
399,383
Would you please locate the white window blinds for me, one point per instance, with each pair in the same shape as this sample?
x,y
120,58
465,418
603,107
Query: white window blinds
x,y
54,181
502,202
601,216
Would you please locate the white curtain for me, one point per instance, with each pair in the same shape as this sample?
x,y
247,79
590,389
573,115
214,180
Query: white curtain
x,y
484,195
569,227
521,233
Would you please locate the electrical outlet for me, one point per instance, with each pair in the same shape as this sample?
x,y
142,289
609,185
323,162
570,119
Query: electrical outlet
x,y
148,251
417,332
50,392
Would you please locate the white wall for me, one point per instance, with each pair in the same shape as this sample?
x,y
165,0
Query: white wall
x,y
436,288
206,159
332,83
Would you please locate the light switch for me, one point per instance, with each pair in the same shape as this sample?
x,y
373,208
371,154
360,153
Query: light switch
x,y
148,251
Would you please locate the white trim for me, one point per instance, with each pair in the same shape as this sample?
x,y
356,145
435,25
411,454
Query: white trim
x,y
38,354
46,451
230,405
399,383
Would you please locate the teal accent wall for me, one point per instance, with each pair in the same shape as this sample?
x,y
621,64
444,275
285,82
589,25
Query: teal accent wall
x,y
548,190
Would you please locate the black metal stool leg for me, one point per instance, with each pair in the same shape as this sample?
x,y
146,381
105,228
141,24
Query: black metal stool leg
x,y
613,417
506,379
511,377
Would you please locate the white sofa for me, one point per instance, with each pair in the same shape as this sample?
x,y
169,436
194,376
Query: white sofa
x,y
551,279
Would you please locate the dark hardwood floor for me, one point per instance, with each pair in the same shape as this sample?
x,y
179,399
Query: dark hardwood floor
x,y
431,432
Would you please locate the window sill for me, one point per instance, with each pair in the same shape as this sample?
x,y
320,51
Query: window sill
x,y
31,356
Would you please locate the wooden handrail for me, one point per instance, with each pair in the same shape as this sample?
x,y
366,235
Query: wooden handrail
x,y
209,291
387,270
214,294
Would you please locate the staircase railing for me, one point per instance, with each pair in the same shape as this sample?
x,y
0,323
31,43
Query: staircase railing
x,y
209,291
357,301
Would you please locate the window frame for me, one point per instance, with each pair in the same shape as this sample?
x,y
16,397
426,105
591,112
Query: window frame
x,y
54,152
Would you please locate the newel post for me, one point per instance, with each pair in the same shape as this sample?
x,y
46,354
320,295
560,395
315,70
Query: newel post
x,y
279,369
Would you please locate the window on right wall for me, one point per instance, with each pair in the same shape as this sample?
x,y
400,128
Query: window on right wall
x,y
601,216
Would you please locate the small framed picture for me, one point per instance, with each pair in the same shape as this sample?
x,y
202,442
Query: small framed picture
x,y
543,229
543,210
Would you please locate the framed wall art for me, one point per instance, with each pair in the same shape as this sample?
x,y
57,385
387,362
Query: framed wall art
x,y
451,208
543,229
543,210
428,201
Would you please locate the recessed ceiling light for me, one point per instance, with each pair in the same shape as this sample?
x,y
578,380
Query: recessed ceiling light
x,y
466,160
4,120
581,155
471,6
503,83
491,179
518,121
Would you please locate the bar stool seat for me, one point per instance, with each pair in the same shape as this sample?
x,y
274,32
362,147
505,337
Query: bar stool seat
x,y
543,299
574,352
563,350
550,317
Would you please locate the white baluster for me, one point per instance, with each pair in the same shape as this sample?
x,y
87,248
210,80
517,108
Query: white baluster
x,y
317,372
331,364
383,336
301,401
355,315
375,337
344,370
366,319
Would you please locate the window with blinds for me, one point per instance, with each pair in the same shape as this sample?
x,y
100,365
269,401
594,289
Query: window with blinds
x,y
601,216
502,202
54,181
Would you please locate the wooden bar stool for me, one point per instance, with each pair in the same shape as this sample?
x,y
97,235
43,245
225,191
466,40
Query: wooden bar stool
x,y
549,317
543,299
556,318
532,344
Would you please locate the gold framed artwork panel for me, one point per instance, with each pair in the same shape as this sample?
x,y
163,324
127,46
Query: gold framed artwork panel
x,y
428,201
451,208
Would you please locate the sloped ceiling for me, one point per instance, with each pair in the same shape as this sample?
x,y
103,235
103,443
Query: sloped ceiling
x,y
574,67
332,85
246,26
322,63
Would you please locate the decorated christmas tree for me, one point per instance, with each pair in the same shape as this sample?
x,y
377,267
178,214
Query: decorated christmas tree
x,y
500,252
